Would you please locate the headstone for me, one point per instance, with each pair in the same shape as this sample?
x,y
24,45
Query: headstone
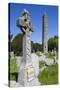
x,y
55,51
12,55
26,75
52,51
45,34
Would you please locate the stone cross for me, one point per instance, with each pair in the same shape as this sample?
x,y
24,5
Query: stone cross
x,y
26,72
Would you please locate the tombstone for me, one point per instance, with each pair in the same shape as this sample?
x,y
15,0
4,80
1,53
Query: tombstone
x,y
12,55
52,51
45,34
55,51
26,76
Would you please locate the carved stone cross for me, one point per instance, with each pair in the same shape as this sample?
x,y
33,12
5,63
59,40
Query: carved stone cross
x,y
26,72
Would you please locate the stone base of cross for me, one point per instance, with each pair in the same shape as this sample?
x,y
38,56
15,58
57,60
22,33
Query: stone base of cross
x,y
27,76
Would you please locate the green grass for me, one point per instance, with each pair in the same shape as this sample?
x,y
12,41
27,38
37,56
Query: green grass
x,y
13,66
49,75
13,70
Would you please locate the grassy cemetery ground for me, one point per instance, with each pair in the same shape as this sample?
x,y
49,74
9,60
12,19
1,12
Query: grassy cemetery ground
x,y
13,70
50,55
49,75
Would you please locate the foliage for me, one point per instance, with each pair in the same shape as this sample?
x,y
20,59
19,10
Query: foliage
x,y
49,75
10,36
53,43
16,45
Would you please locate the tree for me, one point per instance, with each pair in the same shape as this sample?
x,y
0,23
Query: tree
x,y
17,44
53,43
10,36
36,46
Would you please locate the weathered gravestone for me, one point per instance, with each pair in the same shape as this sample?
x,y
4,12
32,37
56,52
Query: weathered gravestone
x,y
26,75
12,55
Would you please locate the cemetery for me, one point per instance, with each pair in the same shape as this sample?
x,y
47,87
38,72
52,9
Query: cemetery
x,y
31,66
